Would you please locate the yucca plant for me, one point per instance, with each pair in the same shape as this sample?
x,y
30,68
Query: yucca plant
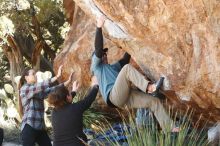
x,y
91,117
150,135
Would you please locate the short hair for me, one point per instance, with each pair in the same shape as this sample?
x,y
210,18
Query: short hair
x,y
104,51
57,98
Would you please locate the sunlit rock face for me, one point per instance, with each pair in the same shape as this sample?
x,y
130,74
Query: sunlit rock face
x,y
176,39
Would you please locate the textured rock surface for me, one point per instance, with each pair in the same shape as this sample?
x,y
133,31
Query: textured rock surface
x,y
177,39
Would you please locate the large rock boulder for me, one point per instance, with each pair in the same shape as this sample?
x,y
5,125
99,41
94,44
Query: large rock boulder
x,y
177,39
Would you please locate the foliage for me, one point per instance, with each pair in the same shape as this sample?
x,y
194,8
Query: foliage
x,y
8,114
52,21
8,102
48,12
16,20
91,117
4,68
11,132
150,135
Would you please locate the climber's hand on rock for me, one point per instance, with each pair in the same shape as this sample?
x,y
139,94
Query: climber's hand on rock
x,y
101,21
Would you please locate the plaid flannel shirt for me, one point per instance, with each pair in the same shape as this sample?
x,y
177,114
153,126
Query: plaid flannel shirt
x,y
32,97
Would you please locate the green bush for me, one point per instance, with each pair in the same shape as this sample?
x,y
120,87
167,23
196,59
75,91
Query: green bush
x,y
91,117
151,135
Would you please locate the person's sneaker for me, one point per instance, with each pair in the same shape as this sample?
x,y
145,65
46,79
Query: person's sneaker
x,y
158,84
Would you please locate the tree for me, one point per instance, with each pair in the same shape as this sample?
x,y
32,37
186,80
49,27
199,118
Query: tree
x,y
30,35
36,37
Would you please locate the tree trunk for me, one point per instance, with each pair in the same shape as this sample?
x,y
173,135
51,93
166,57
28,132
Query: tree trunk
x,y
27,47
14,56
38,33
36,55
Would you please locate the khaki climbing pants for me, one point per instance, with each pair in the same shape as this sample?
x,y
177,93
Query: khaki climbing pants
x,y
123,95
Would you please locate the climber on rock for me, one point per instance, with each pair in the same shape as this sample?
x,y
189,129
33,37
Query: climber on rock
x,y
115,83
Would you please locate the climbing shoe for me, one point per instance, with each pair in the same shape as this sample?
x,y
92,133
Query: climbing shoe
x,y
158,84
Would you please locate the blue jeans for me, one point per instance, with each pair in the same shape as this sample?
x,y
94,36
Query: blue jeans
x,y
30,135
142,116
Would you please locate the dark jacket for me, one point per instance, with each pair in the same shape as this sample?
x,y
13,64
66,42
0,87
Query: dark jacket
x,y
67,122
